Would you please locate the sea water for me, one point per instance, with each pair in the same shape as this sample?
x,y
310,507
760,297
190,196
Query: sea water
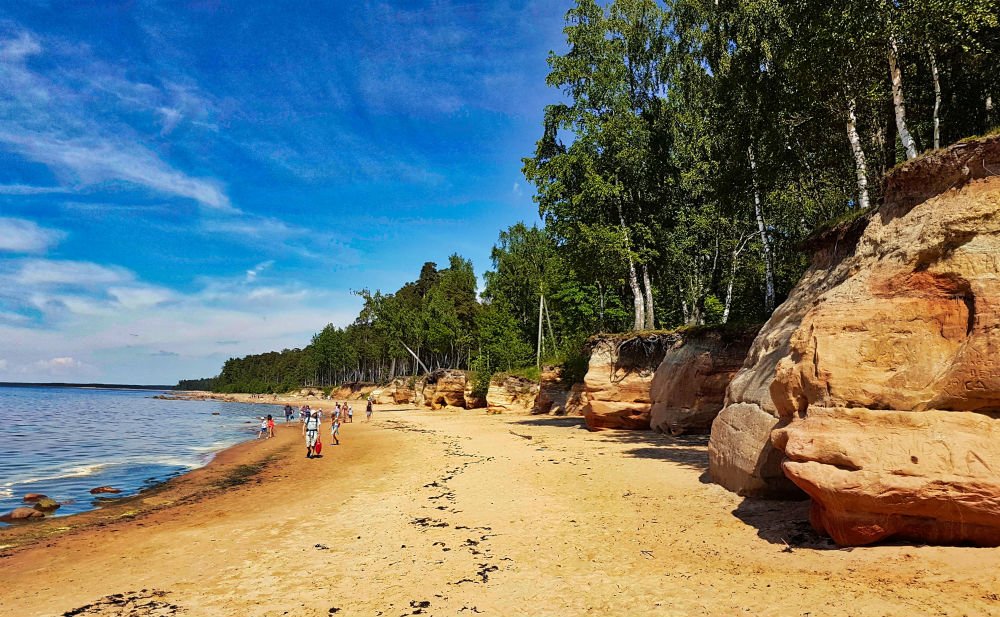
x,y
62,442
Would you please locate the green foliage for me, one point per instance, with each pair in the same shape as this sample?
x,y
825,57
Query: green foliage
x,y
695,148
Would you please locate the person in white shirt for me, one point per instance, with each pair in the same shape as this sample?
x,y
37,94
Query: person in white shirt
x,y
310,428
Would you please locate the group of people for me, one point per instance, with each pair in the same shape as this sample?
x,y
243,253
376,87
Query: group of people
x,y
312,420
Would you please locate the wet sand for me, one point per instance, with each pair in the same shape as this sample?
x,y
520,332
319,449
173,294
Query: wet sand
x,y
461,513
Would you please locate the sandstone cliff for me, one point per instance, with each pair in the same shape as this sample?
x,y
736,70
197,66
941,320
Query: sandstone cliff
x,y
444,388
689,386
882,369
554,397
511,394
616,389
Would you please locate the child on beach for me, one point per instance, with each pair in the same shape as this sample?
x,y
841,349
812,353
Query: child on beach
x,y
270,426
263,428
368,411
335,431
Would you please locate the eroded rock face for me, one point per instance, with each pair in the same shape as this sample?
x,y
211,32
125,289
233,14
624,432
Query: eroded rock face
x,y
689,386
473,400
512,395
444,388
928,476
616,389
553,395
882,369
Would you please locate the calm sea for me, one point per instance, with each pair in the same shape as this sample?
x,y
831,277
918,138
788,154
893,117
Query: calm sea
x,y
65,441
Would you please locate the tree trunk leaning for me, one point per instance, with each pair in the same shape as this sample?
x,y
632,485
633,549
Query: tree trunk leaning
x,y
897,100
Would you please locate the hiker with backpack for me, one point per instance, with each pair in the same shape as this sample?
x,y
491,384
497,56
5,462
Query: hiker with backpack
x,y
310,428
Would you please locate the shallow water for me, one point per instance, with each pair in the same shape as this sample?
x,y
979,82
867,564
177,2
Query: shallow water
x,y
65,441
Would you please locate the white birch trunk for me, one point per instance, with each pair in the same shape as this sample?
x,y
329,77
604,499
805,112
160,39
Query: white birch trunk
x,y
937,98
538,357
764,240
897,100
633,278
650,321
860,164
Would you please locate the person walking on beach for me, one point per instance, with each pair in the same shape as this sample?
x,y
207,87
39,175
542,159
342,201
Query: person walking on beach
x,y
350,414
310,428
263,427
270,426
368,411
288,413
335,431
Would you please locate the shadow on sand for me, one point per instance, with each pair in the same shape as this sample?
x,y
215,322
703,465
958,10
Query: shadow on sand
x,y
779,522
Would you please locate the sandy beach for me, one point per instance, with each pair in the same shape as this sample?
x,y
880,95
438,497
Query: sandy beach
x,y
461,513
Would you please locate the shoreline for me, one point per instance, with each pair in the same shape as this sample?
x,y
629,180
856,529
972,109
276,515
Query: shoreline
x,y
456,512
187,485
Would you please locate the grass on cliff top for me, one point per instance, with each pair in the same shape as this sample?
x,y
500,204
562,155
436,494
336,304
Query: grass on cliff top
x,y
732,328
531,373
994,132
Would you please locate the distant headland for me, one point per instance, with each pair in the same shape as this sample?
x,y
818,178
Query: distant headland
x,y
98,386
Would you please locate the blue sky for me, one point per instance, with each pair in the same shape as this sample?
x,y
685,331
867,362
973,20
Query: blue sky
x,y
183,182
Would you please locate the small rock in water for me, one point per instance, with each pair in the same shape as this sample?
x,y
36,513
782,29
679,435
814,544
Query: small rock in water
x,y
33,497
18,514
46,504
104,489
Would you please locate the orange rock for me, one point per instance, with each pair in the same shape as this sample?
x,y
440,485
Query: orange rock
x,y
445,388
881,372
512,395
928,476
689,386
616,389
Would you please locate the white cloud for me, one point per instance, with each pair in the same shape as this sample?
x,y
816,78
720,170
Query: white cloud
x,y
16,49
253,272
62,120
3,364
138,297
58,363
23,236
82,321
47,272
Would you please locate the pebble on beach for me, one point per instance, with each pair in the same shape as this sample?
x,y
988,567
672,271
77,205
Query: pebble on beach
x,y
19,514
104,489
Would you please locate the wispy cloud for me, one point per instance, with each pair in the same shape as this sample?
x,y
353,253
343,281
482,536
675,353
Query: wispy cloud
x,y
61,120
253,272
46,272
27,189
65,317
24,236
